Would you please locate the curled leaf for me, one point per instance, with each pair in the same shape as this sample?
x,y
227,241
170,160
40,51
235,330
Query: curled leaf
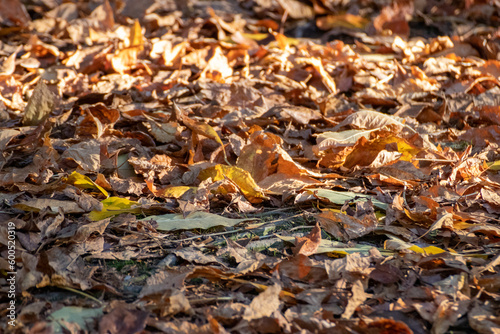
x,y
239,176
84,182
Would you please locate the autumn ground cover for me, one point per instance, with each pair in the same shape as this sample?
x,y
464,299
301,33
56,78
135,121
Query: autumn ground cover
x,y
249,166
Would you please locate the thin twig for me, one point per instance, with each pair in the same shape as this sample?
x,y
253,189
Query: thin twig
x,y
82,294
434,160
235,231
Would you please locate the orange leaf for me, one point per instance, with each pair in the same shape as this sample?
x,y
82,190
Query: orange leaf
x,y
136,38
365,151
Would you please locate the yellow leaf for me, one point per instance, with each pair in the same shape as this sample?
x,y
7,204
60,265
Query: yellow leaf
x,y
460,225
113,206
202,129
429,250
136,35
346,20
397,244
495,165
240,177
279,39
84,182
175,192
256,37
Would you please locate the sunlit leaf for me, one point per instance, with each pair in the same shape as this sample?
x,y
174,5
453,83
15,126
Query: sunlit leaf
x,y
136,38
371,119
113,206
397,244
217,68
494,165
176,191
429,250
84,182
326,78
124,59
255,37
341,138
239,176
202,129
365,152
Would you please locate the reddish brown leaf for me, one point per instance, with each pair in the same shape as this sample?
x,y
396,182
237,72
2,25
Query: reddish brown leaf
x,y
309,244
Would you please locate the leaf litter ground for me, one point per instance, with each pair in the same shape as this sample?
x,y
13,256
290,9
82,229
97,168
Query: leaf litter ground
x,y
250,166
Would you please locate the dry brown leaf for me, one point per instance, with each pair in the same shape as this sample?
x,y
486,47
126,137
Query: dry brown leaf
x,y
394,18
122,319
14,13
345,227
309,244
40,105
265,304
358,297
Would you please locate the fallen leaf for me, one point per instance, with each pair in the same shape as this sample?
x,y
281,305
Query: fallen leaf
x,y
14,13
197,219
341,197
358,297
113,206
309,244
121,319
240,177
40,105
370,119
346,20
84,182
345,227
264,305
38,204
73,315
483,320
366,152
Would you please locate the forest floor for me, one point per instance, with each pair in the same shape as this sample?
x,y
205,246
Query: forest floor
x,y
249,166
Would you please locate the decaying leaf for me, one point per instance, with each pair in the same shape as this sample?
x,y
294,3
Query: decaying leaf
x,y
40,105
345,227
195,220
265,304
309,244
